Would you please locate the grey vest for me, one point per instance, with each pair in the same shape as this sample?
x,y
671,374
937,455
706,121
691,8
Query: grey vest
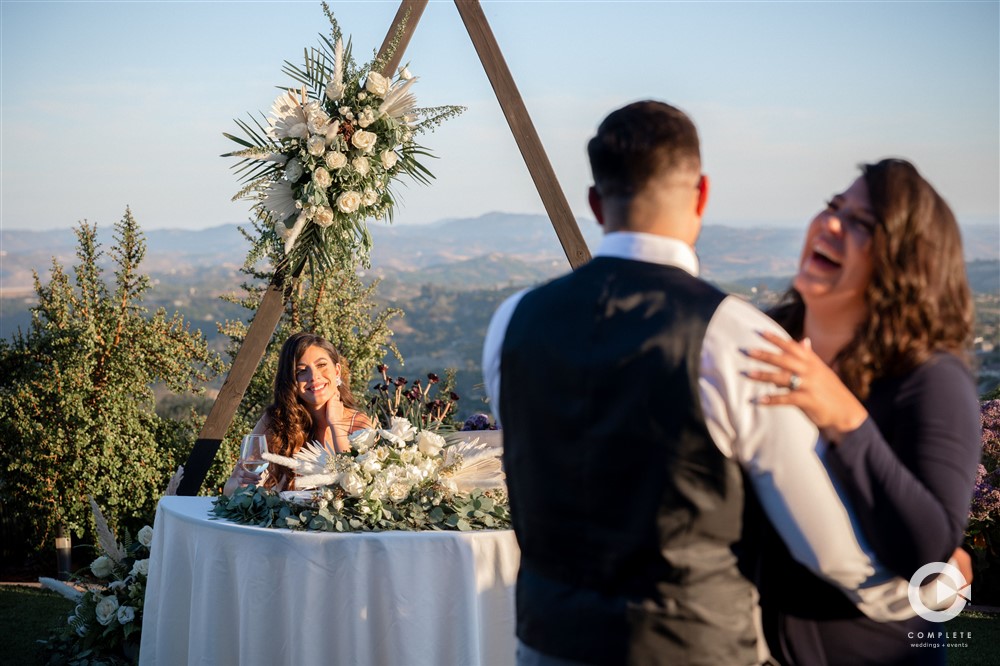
x,y
625,510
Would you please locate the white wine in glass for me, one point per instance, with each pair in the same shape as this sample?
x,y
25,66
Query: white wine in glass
x,y
252,453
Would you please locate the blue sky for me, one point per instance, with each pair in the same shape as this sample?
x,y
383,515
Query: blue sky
x,y
108,104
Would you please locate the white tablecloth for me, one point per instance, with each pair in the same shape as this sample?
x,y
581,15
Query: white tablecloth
x,y
221,593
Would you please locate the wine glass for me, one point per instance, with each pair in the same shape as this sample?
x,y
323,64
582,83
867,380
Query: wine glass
x,y
252,452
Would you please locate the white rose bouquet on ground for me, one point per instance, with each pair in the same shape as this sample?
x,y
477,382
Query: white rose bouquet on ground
x,y
106,625
324,161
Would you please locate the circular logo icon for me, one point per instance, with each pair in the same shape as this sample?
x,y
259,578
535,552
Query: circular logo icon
x,y
943,597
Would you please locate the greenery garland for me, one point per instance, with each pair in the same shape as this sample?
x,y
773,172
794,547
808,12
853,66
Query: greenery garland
x,y
425,510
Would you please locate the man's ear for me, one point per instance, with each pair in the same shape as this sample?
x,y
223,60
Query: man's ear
x,y
594,199
703,187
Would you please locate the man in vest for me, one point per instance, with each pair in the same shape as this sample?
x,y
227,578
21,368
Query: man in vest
x,y
627,423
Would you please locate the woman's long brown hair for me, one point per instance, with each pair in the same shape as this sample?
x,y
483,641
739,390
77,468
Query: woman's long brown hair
x,y
289,423
919,301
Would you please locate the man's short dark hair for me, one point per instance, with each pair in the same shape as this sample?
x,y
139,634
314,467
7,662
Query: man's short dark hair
x,y
639,141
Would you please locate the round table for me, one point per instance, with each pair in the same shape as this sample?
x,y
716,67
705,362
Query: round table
x,y
222,593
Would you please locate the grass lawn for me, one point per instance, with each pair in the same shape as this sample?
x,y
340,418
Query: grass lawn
x,y
27,614
982,636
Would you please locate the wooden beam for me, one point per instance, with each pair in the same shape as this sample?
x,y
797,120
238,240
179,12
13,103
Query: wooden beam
x,y
272,306
524,133
409,11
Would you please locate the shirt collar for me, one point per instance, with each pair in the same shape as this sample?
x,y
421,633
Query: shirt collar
x,y
651,248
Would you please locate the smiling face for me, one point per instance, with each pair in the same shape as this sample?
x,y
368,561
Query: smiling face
x,y
835,268
316,377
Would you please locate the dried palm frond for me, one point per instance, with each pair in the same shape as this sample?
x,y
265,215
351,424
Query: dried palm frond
x,y
105,538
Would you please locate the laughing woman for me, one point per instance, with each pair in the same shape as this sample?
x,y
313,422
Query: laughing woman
x,y
882,313
312,402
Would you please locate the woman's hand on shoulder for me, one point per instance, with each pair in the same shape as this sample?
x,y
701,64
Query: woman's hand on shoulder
x,y
811,385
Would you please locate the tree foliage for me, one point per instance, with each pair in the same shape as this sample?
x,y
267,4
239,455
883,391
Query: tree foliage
x,y
77,413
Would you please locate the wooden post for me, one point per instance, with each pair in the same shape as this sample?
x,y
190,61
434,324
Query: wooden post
x,y
272,306
524,133
409,11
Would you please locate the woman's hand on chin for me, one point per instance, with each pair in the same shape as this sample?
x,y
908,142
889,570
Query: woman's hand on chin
x,y
812,386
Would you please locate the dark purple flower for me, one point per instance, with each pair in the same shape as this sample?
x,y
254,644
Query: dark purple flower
x,y
434,379
400,381
477,422
453,396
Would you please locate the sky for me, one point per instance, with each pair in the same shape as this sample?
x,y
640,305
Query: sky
x,y
105,105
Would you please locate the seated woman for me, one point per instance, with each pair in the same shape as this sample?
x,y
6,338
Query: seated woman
x,y
312,402
883,311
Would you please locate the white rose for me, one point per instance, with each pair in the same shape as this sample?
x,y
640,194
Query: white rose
x,y
382,453
338,504
317,121
125,614
400,431
366,118
335,90
352,484
361,165
404,73
321,178
389,159
316,145
323,216
362,96
348,202
362,439
377,84
145,536
293,170
116,585
335,160
369,197
102,567
407,137
363,140
399,491
369,463
106,609
429,443
380,488
140,567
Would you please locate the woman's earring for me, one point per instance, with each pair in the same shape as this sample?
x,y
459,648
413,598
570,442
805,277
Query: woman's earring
x,y
339,381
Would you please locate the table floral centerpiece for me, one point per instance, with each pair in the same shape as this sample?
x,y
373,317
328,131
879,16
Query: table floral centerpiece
x,y
325,159
403,476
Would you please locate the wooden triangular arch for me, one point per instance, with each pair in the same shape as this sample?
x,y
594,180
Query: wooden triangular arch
x,y
272,304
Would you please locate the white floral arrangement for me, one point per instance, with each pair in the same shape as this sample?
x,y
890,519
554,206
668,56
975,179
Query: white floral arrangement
x,y
325,160
395,478
106,623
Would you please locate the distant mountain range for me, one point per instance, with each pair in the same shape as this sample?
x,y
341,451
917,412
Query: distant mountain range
x,y
495,249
